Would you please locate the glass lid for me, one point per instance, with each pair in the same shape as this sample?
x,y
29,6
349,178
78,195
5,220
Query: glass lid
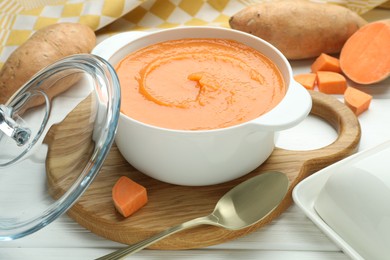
x,y
55,134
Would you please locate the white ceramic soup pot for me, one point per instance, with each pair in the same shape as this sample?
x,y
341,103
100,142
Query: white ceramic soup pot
x,y
204,157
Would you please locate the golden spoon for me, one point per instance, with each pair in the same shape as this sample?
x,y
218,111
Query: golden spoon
x,y
244,205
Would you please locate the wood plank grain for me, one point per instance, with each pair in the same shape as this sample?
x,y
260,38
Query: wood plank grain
x,y
173,204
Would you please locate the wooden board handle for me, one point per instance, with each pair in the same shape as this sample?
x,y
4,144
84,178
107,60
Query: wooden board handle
x,y
343,120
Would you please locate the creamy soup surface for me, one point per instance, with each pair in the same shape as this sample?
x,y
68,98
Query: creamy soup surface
x,y
198,84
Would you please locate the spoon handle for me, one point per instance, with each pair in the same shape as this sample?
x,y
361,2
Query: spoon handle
x,y
210,220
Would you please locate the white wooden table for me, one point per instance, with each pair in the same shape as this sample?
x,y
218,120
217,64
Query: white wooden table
x,y
291,236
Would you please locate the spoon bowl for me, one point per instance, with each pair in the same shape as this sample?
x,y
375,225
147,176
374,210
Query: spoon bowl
x,y
244,205
250,201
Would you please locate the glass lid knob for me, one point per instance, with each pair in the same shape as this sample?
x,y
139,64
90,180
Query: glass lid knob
x,y
11,129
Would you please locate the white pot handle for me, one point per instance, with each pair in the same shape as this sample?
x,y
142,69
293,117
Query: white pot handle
x,y
293,108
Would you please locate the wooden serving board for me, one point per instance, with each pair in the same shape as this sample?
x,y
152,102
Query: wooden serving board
x,y
170,205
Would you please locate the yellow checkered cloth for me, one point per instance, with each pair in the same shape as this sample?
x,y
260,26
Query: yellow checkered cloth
x,y
20,18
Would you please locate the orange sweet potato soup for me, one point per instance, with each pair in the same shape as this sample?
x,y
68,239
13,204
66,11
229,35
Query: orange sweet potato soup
x,y
198,84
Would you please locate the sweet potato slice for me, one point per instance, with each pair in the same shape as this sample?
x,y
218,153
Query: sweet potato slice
x,y
128,196
365,57
325,62
307,80
357,100
330,82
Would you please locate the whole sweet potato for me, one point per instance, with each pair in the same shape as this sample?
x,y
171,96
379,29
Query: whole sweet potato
x,y
299,29
44,47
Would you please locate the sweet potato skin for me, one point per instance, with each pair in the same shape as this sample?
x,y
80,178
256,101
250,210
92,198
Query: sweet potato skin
x,y
44,47
299,29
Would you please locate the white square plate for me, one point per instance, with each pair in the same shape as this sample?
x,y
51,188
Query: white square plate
x,y
307,191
